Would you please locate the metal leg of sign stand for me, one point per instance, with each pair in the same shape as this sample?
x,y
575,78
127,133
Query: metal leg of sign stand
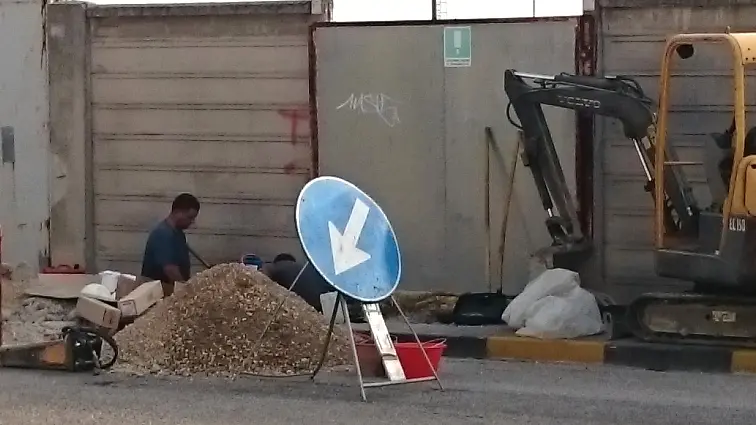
x,y
341,302
417,340
275,312
327,342
383,344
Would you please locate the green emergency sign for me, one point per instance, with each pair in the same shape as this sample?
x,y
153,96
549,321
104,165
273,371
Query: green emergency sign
x,y
457,46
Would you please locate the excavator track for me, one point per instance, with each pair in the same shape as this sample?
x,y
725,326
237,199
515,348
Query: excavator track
x,y
693,319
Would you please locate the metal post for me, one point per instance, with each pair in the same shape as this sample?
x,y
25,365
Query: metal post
x,y
434,6
329,335
420,344
275,312
342,302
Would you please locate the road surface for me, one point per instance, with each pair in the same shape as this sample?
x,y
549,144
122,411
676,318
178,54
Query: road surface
x,y
477,392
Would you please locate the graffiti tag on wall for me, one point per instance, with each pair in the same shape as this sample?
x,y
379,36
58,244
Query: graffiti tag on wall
x,y
386,108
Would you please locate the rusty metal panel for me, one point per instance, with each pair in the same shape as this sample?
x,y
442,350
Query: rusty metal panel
x,y
411,133
632,41
214,105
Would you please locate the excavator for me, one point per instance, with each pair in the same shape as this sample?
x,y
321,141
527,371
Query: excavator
x,y
712,247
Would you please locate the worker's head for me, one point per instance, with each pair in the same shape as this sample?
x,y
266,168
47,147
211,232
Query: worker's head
x,y
269,268
284,257
184,210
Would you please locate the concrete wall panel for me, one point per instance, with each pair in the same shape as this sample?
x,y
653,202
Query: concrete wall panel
x,y
24,182
381,126
411,133
207,99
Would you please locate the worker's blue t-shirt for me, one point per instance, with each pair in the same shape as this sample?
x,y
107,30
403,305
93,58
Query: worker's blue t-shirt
x,y
165,245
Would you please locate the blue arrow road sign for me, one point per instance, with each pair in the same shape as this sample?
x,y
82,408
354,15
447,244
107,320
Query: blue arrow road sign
x,y
348,239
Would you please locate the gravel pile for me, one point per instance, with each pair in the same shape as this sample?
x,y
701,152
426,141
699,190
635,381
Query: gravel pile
x,y
213,324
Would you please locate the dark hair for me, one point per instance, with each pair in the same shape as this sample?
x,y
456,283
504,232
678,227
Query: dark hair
x,y
185,202
284,257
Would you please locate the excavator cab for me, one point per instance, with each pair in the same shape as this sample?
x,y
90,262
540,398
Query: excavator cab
x,y
714,247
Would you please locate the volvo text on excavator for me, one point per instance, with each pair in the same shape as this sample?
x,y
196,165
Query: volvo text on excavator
x,y
714,246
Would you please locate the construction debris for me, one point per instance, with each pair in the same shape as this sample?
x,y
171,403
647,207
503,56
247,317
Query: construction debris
x,y
36,320
421,307
213,324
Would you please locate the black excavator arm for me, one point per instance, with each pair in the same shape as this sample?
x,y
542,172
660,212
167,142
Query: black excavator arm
x,y
617,97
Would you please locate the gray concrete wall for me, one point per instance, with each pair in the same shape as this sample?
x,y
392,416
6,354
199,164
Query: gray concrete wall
x,y
221,85
410,132
633,34
24,206
69,147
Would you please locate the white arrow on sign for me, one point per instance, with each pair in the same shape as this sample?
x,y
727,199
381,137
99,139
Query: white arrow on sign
x,y
346,255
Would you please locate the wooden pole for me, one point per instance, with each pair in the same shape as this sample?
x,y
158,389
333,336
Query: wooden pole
x,y
487,207
507,207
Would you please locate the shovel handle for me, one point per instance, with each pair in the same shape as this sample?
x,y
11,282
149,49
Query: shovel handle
x,y
194,253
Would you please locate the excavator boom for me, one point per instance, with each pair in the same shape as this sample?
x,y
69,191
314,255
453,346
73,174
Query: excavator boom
x,y
616,97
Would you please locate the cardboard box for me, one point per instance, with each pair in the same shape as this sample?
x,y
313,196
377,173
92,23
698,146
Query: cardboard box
x,y
126,285
59,286
140,299
98,312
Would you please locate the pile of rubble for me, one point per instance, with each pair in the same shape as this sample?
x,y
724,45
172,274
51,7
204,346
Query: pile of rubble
x,y
213,324
32,319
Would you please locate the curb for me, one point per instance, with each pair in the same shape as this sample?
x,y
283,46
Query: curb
x,y
623,352
468,347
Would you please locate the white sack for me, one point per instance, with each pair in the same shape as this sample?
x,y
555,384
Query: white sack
x,y
554,306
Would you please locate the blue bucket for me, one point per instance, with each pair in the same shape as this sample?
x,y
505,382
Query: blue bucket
x,y
252,260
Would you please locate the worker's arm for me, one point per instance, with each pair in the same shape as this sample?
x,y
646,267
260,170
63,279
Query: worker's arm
x,y
172,273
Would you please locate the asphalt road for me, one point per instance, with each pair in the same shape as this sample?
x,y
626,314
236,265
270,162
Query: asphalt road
x,y
476,393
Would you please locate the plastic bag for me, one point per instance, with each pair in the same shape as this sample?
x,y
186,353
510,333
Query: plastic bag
x,y
554,306
550,282
573,315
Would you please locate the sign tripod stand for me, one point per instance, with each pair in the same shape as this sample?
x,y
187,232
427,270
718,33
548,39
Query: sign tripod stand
x,y
383,343
391,364
362,262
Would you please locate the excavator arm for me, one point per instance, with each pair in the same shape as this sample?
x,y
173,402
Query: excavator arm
x,y
615,97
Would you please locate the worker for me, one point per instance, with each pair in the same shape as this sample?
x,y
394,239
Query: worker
x,y
166,255
310,286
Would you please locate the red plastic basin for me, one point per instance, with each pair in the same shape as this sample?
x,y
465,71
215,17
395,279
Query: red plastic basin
x,y
410,356
413,361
